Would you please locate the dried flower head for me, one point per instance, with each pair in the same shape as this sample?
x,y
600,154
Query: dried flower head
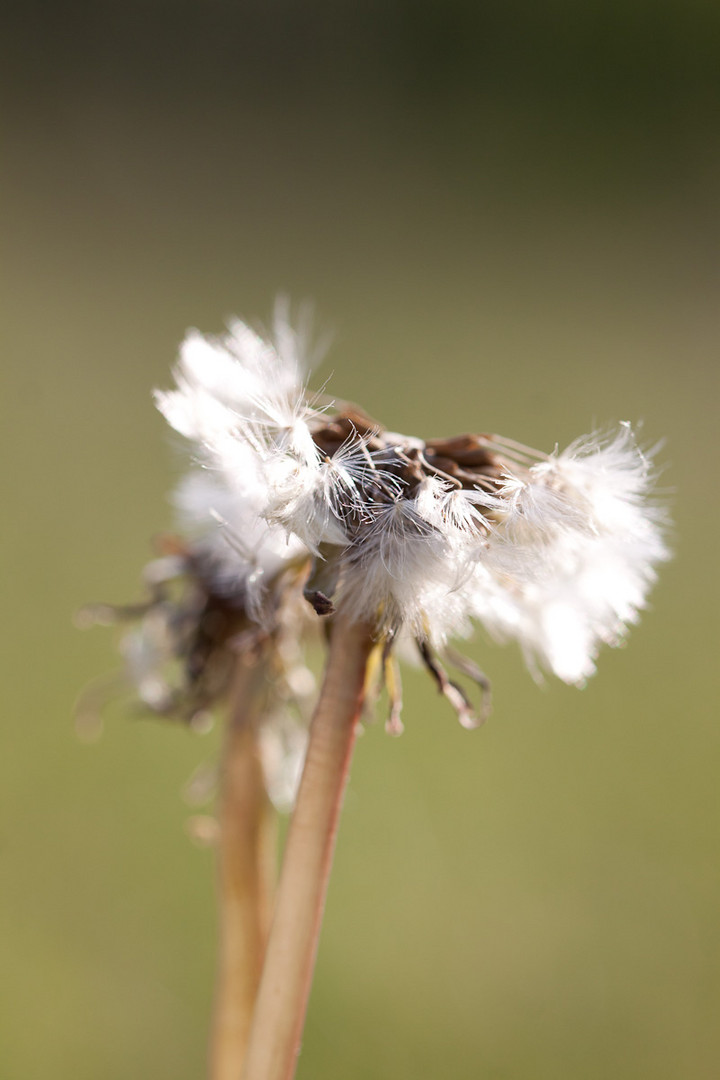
x,y
418,537
292,498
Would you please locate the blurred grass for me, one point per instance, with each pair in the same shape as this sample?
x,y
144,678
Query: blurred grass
x,y
529,247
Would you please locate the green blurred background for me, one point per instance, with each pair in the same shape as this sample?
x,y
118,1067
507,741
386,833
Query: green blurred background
x,y
508,216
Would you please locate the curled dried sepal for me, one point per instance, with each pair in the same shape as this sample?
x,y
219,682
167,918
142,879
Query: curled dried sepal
x,y
453,692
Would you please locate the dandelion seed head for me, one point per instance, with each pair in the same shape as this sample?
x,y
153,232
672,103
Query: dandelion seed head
x,y
555,551
291,496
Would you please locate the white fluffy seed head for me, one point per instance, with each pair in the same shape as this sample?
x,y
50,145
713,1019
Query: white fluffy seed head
x,y
555,552
240,402
576,554
408,565
240,552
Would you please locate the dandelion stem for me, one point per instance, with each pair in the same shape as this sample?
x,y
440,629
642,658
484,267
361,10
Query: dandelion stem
x,y
246,871
285,986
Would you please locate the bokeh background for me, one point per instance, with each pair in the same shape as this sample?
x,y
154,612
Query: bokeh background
x,y
508,216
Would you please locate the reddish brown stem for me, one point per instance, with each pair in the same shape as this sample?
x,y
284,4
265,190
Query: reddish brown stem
x,y
246,871
292,947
